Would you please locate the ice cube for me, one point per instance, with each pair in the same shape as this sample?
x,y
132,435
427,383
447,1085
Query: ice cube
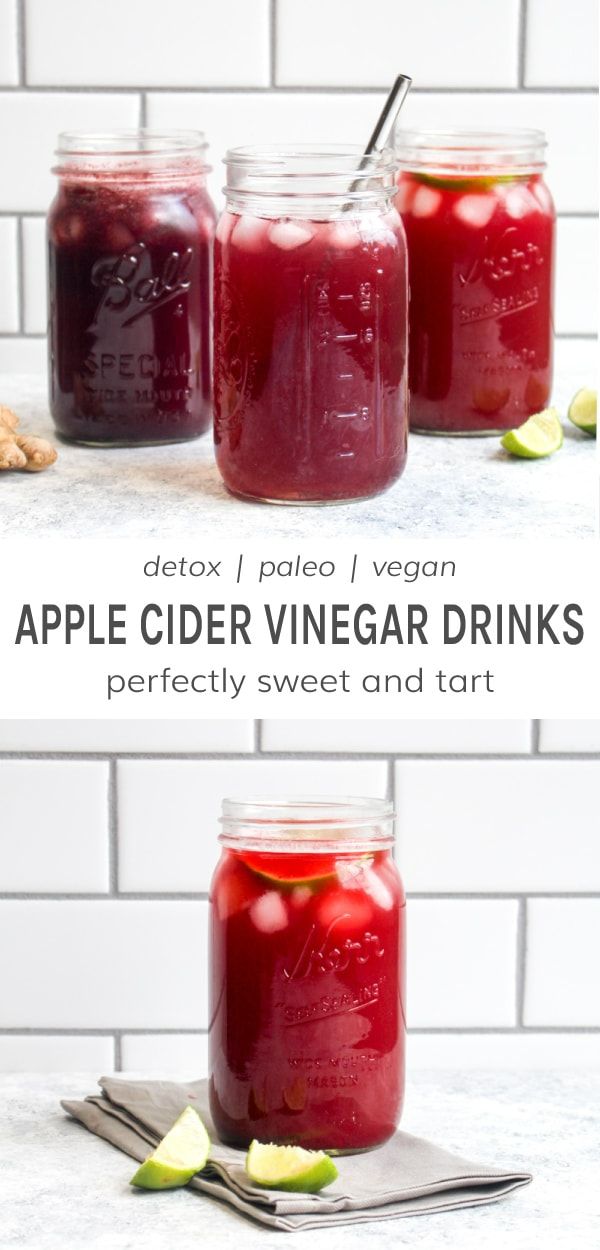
x,y
426,202
224,227
119,237
542,196
342,912
378,890
250,233
475,210
517,202
301,894
344,234
290,234
404,194
268,913
70,228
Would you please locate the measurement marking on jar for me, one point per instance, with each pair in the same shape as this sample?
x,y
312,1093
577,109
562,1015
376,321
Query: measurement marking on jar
x,y
345,338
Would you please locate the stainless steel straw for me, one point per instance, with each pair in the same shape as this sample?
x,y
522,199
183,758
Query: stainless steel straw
x,y
384,124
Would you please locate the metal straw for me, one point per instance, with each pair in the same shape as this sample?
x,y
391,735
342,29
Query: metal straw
x,y
384,124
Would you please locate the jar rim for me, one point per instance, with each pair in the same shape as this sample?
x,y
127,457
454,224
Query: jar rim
x,y
300,159
456,149
142,142
309,172
307,822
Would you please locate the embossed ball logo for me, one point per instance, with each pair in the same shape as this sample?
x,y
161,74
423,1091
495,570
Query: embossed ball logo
x,y
129,285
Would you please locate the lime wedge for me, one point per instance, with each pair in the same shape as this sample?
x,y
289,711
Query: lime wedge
x,y
539,436
582,411
178,1157
289,1167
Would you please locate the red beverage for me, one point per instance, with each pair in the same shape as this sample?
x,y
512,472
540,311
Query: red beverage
x,y
130,270
307,977
479,224
310,329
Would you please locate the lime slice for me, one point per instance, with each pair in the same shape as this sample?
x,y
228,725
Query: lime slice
x,y
539,436
289,1167
480,183
582,410
178,1157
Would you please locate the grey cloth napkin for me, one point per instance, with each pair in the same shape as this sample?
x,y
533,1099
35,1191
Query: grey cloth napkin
x,y
406,1176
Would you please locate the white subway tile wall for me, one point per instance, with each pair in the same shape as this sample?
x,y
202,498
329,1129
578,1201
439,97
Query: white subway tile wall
x,y
272,70
9,55
109,834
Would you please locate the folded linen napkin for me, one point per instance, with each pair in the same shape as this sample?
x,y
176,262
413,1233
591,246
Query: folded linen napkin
x,y
406,1176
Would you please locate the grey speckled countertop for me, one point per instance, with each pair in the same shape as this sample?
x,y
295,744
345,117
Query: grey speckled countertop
x,y
451,487
64,1189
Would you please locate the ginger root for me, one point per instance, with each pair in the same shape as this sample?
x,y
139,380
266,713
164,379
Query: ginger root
x,y
22,451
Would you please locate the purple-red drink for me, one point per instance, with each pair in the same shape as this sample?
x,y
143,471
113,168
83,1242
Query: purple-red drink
x,y
481,250
130,270
310,352
307,995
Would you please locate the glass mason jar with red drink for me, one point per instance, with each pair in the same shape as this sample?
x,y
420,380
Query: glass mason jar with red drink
x,y
307,975
310,326
479,224
130,273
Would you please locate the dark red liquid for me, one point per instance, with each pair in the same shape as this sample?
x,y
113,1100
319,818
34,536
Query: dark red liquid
x,y
310,356
307,999
480,265
129,292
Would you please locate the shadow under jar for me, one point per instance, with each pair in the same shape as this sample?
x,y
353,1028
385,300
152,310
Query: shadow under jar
x,y
479,224
310,342
307,954
130,236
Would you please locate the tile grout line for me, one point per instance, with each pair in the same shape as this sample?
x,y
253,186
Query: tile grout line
x,y
113,831
589,214
564,335
536,727
201,896
193,89
21,276
21,43
118,1050
143,109
118,1032
525,756
272,43
522,45
521,961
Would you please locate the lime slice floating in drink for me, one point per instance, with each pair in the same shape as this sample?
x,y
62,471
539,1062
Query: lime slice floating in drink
x,y
582,411
289,1167
289,870
182,1153
539,436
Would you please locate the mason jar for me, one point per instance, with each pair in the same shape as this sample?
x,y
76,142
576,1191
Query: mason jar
x,y
307,952
130,270
479,223
310,389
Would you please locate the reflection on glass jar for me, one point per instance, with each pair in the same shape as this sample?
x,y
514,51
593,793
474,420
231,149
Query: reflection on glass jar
x,y
310,327
479,224
307,975
130,270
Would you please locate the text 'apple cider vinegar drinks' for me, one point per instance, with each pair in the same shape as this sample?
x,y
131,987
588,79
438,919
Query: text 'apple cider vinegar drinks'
x,y
479,224
130,273
307,975
310,326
